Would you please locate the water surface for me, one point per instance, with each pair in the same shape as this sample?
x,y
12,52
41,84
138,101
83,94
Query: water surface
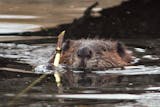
x,y
135,86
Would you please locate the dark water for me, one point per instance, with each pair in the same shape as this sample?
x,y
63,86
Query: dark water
x,y
135,86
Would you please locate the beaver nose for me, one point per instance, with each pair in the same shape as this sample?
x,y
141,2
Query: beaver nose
x,y
84,53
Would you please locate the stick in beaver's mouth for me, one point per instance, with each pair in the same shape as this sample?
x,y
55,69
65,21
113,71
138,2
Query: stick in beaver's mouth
x,y
57,57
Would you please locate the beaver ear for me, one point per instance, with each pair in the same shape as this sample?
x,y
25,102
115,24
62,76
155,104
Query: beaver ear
x,y
66,45
120,49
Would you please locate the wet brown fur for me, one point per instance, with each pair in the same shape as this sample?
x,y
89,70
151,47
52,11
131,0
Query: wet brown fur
x,y
106,54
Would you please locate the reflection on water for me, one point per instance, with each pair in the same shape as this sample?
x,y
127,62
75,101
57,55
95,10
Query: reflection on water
x,y
120,90
42,13
6,28
5,16
133,86
27,53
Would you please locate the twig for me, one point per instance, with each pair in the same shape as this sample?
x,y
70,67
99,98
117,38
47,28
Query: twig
x,y
56,74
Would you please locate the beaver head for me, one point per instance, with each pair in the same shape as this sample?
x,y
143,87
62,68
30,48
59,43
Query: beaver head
x,y
94,54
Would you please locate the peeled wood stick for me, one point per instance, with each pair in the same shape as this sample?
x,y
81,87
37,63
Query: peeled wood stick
x,y
57,57
58,49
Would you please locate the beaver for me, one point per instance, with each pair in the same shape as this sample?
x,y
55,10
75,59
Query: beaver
x,y
94,54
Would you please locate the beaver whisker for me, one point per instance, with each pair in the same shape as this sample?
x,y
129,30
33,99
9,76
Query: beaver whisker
x,y
99,62
107,65
111,61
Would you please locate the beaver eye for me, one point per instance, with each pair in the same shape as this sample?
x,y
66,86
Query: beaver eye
x,y
66,45
120,49
103,48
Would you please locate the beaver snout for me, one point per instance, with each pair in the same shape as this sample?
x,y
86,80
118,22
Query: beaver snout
x,y
84,54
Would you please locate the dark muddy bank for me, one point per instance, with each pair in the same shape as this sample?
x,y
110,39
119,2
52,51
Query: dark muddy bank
x,y
131,19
